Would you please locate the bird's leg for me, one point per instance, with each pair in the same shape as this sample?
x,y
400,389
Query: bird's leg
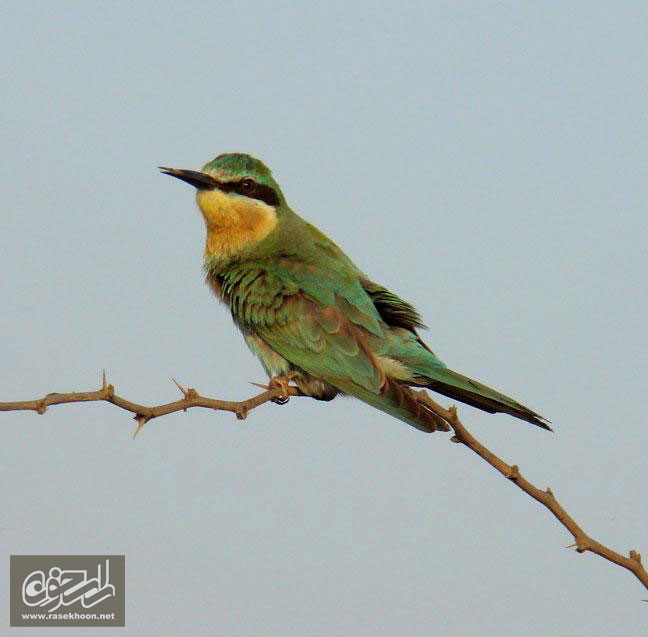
x,y
282,382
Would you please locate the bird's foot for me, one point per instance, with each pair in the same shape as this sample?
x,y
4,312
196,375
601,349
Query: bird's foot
x,y
282,382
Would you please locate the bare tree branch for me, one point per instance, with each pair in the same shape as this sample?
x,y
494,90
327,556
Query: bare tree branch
x,y
582,541
143,414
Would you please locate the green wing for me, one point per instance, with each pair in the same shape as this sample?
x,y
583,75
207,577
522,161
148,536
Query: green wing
x,y
322,341
325,342
322,324
313,318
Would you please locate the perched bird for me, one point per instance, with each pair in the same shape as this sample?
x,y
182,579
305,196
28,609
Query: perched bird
x,y
309,313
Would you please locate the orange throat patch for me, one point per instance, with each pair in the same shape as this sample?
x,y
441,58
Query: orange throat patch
x,y
233,222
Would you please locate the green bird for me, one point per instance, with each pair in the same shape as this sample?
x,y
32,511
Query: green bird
x,y
309,313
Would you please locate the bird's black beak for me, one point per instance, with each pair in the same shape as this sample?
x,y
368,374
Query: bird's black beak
x,y
201,181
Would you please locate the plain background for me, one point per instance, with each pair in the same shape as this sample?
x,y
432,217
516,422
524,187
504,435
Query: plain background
x,y
486,160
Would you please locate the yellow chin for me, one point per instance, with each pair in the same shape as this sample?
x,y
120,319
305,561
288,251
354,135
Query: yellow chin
x,y
234,222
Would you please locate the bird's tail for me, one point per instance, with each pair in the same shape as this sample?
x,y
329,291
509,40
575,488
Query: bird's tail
x,y
399,400
469,391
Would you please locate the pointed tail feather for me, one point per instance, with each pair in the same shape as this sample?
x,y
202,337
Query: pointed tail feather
x,y
399,400
469,391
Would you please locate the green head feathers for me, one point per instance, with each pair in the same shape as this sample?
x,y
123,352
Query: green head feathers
x,y
233,167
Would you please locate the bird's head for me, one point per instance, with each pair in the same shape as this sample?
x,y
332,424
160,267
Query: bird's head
x,y
239,199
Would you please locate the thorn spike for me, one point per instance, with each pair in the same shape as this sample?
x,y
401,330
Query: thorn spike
x,y
141,421
180,387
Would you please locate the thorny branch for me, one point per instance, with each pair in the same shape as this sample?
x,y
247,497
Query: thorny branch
x,y
143,414
582,541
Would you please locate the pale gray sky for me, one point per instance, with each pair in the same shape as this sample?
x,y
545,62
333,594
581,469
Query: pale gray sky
x,y
487,161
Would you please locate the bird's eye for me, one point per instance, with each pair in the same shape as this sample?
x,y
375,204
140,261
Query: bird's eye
x,y
248,185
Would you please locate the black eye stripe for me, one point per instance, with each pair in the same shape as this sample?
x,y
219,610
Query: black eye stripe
x,y
261,192
266,194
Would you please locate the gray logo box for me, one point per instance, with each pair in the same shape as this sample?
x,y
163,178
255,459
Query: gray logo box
x,y
67,590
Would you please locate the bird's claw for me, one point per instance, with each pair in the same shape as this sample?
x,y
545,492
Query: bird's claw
x,y
283,383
